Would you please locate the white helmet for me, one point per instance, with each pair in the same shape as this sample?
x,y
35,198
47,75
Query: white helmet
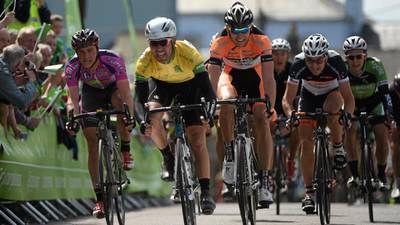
x,y
354,43
160,28
315,45
280,44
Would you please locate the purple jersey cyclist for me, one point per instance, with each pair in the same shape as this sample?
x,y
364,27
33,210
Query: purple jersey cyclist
x,y
104,82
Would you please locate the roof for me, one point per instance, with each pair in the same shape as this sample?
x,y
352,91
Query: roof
x,y
274,9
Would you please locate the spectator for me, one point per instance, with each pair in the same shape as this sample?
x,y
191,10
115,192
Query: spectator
x,y
50,40
57,25
11,61
8,18
4,38
27,38
13,35
29,13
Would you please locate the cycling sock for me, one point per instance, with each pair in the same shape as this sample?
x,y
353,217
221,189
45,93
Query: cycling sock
x,y
166,152
263,176
204,184
229,150
309,190
125,146
381,172
99,194
354,167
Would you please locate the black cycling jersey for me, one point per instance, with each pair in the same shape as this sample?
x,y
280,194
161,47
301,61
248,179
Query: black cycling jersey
x,y
335,72
281,80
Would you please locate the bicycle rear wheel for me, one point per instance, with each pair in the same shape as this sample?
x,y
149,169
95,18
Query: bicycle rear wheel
x,y
183,185
120,178
106,180
246,194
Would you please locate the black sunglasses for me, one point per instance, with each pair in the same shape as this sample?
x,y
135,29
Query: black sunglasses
x,y
352,57
161,43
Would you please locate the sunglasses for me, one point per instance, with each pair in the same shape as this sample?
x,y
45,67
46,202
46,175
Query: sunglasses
x,y
161,43
352,57
243,30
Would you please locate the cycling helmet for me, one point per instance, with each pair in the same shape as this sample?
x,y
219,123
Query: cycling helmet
x,y
280,44
84,38
396,82
238,16
160,28
354,43
315,45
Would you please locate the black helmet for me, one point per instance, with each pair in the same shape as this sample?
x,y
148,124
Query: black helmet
x,y
396,82
84,38
238,16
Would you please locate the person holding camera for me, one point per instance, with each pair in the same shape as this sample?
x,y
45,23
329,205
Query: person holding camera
x,y
12,61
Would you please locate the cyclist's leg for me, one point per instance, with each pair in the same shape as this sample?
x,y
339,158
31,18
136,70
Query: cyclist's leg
x,y
382,150
117,104
161,95
333,103
226,119
351,148
395,144
294,145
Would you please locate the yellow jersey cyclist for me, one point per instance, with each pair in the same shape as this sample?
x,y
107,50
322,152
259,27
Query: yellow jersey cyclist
x,y
324,84
241,64
104,81
171,69
370,88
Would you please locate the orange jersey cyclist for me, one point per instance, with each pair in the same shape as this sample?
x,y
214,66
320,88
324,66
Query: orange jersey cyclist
x,y
241,64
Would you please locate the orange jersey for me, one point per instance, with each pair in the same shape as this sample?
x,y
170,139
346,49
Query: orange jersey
x,y
257,50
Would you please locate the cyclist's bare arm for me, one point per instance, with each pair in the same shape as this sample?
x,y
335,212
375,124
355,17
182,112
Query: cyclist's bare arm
x,y
214,72
348,97
288,98
73,100
269,81
124,92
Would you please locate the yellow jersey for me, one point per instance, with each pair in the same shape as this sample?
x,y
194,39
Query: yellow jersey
x,y
186,62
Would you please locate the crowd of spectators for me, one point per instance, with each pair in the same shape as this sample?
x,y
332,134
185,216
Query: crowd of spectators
x,y
28,91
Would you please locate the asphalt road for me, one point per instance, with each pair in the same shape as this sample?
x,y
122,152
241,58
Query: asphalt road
x,y
228,214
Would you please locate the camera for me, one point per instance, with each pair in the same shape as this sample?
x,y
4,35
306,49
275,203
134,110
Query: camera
x,y
29,65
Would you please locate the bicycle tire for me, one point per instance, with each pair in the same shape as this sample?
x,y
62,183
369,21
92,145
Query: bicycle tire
x,y
320,181
119,199
278,178
246,195
106,181
184,187
328,178
370,186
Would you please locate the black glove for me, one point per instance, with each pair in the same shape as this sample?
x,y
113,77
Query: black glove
x,y
72,126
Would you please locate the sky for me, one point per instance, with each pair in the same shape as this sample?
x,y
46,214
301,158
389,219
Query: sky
x,y
382,10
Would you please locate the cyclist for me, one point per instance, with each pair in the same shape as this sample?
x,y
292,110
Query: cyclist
x,y
171,69
280,55
248,70
104,81
394,91
324,85
369,85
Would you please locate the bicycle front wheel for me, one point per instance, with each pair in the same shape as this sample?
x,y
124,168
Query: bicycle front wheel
x,y
186,191
246,194
106,180
323,200
369,177
121,181
278,178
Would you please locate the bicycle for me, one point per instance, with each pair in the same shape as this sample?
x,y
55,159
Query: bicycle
x,y
186,182
324,178
113,178
280,170
367,175
246,182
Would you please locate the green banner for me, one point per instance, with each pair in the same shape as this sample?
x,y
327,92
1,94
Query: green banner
x,y
39,168
72,23
131,27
